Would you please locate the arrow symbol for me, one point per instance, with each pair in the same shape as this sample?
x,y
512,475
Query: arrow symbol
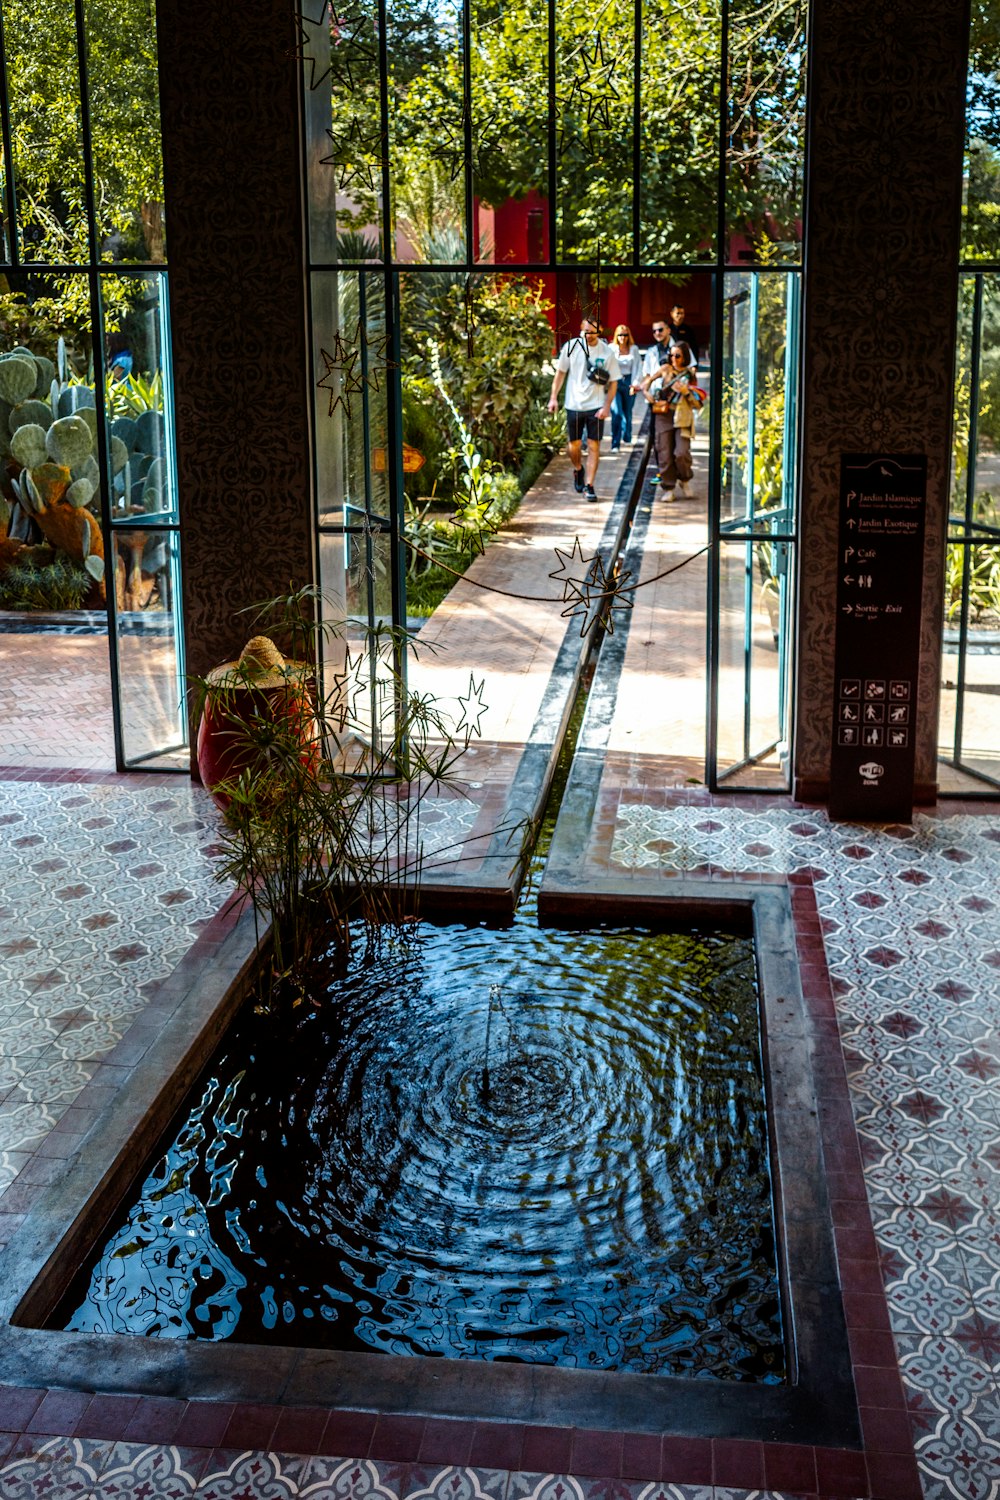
x,y
851,521
851,495
848,578
847,609
848,553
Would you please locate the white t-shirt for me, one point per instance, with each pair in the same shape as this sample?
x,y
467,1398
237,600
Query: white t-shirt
x,y
629,363
582,393
656,355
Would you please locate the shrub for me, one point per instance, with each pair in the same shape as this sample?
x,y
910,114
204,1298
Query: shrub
x,y
57,585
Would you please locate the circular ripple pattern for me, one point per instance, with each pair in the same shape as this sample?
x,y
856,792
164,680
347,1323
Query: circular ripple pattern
x,y
523,1145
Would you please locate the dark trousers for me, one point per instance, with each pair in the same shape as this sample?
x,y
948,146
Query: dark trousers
x,y
673,449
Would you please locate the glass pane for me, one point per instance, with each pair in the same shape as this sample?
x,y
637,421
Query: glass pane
x,y
595,78
986,494
138,397
345,147
753,613
765,159
125,129
510,131
970,685
981,195
48,436
758,391
679,133
963,401
773,426
150,672
738,344
43,86
351,370
358,665
427,133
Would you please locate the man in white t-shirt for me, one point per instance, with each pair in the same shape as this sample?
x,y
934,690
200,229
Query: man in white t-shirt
x,y
590,371
656,355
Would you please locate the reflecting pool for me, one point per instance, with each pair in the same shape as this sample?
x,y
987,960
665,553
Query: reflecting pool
x,y
529,1145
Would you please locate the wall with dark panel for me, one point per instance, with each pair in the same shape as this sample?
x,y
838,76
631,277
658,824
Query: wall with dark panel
x,y
887,88
228,96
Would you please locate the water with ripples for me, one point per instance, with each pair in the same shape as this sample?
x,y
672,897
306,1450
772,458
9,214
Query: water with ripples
x,y
526,1145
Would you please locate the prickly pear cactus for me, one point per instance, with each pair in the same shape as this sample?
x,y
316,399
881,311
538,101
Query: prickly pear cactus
x,y
27,446
18,378
69,441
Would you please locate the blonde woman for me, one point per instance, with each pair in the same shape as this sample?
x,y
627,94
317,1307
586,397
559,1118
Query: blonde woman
x,y
629,358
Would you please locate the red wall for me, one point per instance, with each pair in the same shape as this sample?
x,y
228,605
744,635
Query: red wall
x,y
518,230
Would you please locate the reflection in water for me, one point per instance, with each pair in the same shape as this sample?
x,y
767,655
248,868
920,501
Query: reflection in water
x,y
589,1190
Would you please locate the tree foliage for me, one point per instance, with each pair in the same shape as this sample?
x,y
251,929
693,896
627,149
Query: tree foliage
x,y
506,140
44,88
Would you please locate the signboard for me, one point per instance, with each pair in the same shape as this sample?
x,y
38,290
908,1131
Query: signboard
x,y
413,460
879,586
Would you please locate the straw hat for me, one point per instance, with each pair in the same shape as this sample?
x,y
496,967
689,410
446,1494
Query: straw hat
x,y
260,665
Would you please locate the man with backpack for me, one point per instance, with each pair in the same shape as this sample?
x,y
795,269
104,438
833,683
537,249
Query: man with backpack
x,y
588,368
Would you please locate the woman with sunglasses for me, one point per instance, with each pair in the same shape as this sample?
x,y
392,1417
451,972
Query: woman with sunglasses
x,y
675,405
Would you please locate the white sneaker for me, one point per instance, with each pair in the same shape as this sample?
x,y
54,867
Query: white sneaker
x,y
682,486
668,494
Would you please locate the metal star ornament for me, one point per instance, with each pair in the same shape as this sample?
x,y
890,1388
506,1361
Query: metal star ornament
x,y
339,380
473,708
597,598
573,570
314,35
348,686
355,156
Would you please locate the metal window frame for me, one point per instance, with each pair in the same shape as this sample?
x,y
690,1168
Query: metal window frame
x,y
93,269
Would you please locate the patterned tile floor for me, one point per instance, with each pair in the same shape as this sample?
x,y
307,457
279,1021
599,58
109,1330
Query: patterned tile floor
x,y
107,882
912,939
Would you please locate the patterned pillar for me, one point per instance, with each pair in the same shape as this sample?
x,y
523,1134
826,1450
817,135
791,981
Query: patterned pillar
x,y
237,293
886,138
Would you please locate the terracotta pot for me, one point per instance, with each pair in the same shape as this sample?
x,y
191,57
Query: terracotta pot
x,y
260,685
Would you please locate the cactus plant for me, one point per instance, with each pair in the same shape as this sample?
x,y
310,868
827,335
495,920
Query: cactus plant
x,y
27,445
18,378
37,412
48,430
69,441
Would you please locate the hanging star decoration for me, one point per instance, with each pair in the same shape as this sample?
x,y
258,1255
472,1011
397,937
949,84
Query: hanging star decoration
x,y
473,708
452,138
474,523
356,362
347,687
589,591
335,44
363,562
354,47
339,379
356,156
314,36
592,95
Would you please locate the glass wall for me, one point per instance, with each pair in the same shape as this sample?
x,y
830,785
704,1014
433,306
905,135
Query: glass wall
x,y
88,506
476,168
969,724
969,733
755,536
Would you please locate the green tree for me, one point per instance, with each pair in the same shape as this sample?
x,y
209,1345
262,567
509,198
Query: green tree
x,y
43,80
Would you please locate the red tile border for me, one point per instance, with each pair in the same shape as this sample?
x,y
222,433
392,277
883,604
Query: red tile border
x,y
446,1441
735,1462
641,1455
686,1460
546,1450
